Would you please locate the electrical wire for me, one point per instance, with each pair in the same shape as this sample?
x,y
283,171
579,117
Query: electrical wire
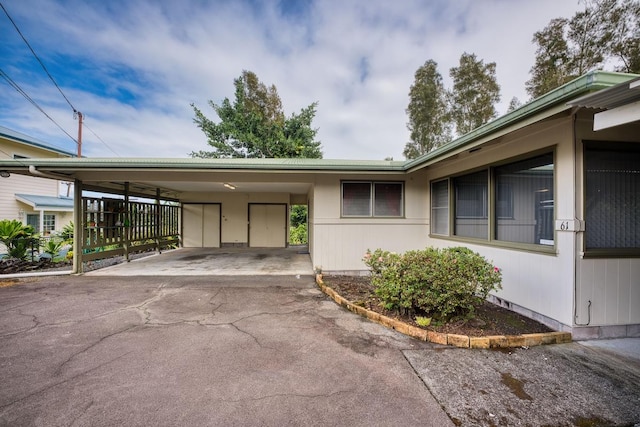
x,y
36,56
33,102
101,140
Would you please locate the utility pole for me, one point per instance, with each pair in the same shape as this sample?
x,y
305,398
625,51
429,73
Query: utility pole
x,y
79,133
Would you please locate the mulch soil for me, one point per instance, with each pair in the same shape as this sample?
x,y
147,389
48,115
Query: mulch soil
x,y
489,319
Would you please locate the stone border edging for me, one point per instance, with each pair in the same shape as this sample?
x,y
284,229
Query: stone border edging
x,y
462,341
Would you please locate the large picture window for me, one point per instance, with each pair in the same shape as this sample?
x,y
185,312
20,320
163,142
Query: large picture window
x,y
378,199
513,202
524,201
612,204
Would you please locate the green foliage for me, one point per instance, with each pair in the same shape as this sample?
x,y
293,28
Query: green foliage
x,y
423,321
298,234
439,283
605,34
298,215
16,237
474,94
67,233
52,247
428,111
254,125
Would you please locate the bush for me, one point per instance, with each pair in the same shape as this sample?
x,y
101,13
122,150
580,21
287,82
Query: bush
x,y
440,283
16,236
298,235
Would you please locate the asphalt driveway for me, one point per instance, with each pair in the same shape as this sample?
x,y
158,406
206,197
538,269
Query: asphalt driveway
x,y
271,350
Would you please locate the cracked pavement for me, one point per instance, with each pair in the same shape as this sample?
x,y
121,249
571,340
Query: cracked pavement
x,y
220,350
272,350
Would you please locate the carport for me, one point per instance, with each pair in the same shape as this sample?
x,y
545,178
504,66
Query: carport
x,y
126,206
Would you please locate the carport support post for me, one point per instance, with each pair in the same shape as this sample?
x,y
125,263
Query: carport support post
x,y
158,220
127,230
78,227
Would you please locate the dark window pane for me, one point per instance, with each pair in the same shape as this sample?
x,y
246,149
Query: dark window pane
x,y
388,199
524,201
356,199
471,205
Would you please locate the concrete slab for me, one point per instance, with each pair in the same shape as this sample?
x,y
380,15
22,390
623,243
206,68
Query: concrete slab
x,y
293,261
206,350
627,347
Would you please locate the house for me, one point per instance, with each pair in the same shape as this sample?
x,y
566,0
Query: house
x,y
548,192
33,200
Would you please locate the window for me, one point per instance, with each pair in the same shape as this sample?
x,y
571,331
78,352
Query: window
x,y
524,201
515,199
612,191
378,199
48,223
440,207
471,202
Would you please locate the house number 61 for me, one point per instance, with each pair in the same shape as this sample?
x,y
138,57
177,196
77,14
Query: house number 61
x,y
564,225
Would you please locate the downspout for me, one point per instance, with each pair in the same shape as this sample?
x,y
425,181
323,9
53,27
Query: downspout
x,y
576,208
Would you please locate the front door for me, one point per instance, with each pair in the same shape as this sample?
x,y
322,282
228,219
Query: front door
x,y
267,225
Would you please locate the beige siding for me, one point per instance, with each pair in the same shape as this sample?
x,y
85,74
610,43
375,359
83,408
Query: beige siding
x,y
540,282
235,211
10,208
338,244
612,285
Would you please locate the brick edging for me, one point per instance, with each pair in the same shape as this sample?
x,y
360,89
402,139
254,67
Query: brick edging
x,y
463,341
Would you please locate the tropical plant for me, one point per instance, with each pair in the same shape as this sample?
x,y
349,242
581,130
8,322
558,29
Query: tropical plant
x,y
53,247
16,237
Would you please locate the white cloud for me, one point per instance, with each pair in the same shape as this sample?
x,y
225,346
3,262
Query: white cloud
x,y
145,62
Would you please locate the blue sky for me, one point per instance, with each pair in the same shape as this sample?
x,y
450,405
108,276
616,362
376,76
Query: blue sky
x,y
134,67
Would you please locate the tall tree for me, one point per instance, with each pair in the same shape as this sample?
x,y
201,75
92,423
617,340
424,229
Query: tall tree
x,y
475,93
254,125
551,68
429,121
606,34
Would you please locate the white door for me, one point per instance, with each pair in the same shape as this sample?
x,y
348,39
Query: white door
x,y
200,225
267,226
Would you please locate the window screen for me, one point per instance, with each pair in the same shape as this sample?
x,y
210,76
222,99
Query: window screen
x,y
356,199
471,204
524,201
440,207
388,199
612,205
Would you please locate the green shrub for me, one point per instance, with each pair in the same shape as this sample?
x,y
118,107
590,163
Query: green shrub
x,y
440,283
16,237
298,234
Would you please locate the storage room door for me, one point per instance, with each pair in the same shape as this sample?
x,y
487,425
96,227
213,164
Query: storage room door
x,y
267,226
200,225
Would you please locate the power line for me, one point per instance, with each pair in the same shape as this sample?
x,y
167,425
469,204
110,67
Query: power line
x,y
101,140
36,56
33,102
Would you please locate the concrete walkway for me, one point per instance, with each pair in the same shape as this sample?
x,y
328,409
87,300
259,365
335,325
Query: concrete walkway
x,y
293,260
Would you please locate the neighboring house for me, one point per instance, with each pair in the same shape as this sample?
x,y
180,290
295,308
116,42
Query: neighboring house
x,y
551,201
32,200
